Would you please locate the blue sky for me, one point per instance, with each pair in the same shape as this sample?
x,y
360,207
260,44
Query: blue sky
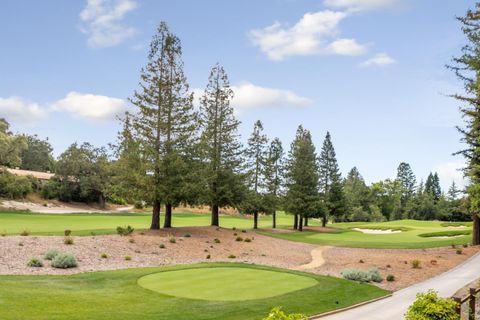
x,y
372,72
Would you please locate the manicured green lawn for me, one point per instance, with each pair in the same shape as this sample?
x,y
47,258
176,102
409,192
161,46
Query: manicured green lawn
x,y
85,224
116,295
408,238
225,284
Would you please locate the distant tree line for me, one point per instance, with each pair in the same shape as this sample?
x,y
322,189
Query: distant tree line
x,y
171,153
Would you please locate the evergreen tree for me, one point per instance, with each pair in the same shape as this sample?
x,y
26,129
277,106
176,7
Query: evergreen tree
x,y
453,192
256,154
407,180
274,171
165,122
329,175
432,187
356,191
220,146
302,198
467,69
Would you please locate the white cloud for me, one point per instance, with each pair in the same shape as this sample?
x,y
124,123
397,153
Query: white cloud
x,y
90,106
360,5
102,22
19,110
314,34
380,60
249,96
449,172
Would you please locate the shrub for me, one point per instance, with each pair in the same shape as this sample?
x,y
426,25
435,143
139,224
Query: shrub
x,y
139,205
162,246
390,278
248,240
459,251
238,239
208,256
128,258
235,234
374,275
234,228
67,232
104,256
68,240
124,231
35,262
244,231
172,240
187,235
50,254
131,240
232,256
361,261
415,264
25,233
362,276
14,187
430,306
64,261
216,240
20,244
278,314
465,245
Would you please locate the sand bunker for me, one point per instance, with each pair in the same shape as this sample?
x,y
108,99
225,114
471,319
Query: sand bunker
x,y
376,231
448,237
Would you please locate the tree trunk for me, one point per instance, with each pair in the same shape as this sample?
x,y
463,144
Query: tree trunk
x,y
300,224
215,215
155,215
476,230
167,222
295,222
306,222
274,218
101,201
324,221
255,220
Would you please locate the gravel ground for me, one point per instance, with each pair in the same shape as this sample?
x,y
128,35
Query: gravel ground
x,y
16,251
396,262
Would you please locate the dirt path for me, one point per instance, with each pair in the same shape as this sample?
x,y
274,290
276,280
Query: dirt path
x,y
317,260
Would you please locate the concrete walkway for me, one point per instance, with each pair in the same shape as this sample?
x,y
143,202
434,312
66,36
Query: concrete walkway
x,y
395,307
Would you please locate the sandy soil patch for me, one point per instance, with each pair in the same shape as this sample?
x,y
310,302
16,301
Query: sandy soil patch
x,y
394,261
376,231
447,237
317,259
145,251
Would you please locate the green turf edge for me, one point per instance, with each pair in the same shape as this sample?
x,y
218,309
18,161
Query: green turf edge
x,y
300,301
450,233
368,245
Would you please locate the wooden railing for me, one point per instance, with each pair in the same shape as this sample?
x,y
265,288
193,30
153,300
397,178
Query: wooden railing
x,y
471,299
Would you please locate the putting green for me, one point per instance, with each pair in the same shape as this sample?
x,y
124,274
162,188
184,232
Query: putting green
x,y
225,284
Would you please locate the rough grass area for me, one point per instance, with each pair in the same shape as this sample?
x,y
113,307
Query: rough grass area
x,y
451,233
82,224
409,239
116,295
457,224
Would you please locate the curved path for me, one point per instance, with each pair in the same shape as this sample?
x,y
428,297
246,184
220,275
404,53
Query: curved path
x,y
317,259
394,307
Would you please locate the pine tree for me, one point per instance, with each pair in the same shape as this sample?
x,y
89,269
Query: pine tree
x,y
432,187
407,179
256,154
356,191
302,198
274,172
467,69
165,122
220,146
453,192
329,175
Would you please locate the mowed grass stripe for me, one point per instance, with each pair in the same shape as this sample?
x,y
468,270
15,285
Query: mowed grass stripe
x,y
225,284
